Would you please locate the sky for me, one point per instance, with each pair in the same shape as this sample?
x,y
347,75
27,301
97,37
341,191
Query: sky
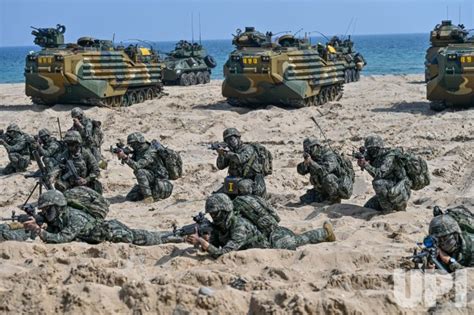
x,y
166,20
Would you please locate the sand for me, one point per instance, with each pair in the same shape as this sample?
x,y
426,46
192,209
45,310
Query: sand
x,y
354,275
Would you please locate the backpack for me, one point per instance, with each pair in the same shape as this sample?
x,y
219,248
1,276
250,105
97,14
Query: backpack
x,y
171,159
87,200
346,166
261,162
257,211
416,169
463,217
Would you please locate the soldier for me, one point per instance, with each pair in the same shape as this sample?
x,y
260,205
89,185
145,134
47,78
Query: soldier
x,y
240,159
17,145
331,177
90,132
76,166
66,224
234,232
48,147
149,169
390,181
455,247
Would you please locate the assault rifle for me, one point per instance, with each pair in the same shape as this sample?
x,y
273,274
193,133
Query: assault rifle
x,y
30,212
428,255
121,147
201,224
71,171
360,154
218,145
3,135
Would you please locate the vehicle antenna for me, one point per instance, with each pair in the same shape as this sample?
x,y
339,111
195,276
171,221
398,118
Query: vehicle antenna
x,y
200,28
348,27
192,27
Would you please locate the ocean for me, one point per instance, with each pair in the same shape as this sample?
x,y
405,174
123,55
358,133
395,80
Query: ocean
x,y
385,54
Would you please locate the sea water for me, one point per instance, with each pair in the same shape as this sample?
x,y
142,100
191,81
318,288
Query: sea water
x,y
385,54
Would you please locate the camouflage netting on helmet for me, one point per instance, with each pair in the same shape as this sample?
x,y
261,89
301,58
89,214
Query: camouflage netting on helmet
x,y
73,136
135,137
373,142
229,132
13,127
443,225
219,202
51,198
87,200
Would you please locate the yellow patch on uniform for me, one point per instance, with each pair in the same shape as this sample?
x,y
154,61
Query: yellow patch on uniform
x,y
331,49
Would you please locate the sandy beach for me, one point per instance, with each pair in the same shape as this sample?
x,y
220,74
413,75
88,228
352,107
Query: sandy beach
x,y
354,275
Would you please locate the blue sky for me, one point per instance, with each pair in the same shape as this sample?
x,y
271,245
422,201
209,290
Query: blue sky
x,y
164,20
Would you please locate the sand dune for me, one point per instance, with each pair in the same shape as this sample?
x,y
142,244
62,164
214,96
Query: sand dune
x,y
351,276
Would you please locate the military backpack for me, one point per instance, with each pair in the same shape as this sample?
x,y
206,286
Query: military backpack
x,y
257,211
261,161
171,159
97,133
463,217
87,200
416,169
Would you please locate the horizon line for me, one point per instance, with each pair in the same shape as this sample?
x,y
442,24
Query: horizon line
x,y
216,39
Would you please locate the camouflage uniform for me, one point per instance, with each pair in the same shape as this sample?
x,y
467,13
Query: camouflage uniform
x,y
234,232
238,161
50,148
149,169
266,219
18,147
90,140
329,179
231,231
458,244
71,224
390,181
84,162
12,234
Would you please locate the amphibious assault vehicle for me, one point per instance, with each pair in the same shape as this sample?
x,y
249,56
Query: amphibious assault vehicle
x,y
288,71
450,67
91,71
353,61
188,64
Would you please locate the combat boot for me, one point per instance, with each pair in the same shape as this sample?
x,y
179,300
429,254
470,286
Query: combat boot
x,y
327,226
148,200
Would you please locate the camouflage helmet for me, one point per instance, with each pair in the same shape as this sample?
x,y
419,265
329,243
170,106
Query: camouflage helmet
x,y
52,198
373,142
443,225
219,202
72,136
13,127
44,132
245,187
229,132
310,142
135,137
77,112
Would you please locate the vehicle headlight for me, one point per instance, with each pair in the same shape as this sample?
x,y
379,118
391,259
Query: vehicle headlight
x,y
59,57
235,58
452,56
265,58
